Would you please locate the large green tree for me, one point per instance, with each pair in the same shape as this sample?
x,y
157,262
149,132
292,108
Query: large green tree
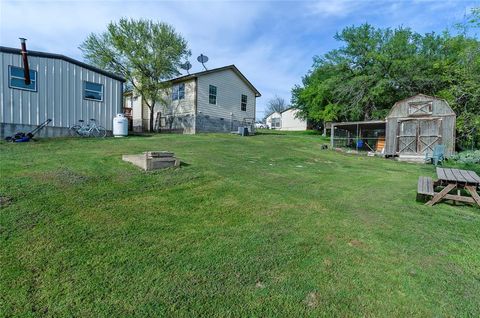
x,y
145,52
375,67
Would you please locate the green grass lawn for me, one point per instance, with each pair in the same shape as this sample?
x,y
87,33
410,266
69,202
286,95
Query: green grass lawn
x,y
269,225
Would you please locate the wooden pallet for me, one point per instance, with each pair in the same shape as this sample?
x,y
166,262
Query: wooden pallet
x,y
380,145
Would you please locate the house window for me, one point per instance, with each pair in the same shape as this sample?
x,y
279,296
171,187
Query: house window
x,y
92,91
244,103
276,122
178,91
212,94
16,79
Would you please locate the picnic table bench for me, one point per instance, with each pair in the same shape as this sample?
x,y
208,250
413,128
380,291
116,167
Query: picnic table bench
x,y
425,188
450,180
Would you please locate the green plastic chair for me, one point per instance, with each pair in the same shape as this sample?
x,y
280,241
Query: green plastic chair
x,y
438,155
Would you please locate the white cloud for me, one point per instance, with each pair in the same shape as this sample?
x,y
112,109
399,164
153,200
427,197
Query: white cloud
x,y
335,8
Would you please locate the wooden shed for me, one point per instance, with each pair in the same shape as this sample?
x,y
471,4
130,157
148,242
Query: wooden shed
x,y
416,124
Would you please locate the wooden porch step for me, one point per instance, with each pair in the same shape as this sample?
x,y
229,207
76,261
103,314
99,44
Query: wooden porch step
x,y
411,158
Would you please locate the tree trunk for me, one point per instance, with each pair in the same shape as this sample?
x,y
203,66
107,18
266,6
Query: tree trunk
x,y
151,120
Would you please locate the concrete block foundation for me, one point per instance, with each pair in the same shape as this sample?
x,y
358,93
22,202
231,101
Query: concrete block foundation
x,y
153,160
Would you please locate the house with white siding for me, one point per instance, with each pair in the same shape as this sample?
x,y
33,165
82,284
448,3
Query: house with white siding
x,y
216,100
61,89
274,120
286,120
291,121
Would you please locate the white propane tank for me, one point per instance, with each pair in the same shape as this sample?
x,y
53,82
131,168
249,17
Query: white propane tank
x,y
120,126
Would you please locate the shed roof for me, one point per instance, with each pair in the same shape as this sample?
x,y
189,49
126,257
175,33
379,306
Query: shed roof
x,y
419,95
354,125
64,58
365,122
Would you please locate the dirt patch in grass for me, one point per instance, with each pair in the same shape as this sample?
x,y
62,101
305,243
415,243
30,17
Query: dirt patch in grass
x,y
63,177
260,285
312,300
428,261
357,244
330,238
5,201
327,262
67,176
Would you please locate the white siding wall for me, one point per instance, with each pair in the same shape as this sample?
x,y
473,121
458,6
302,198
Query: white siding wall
x,y
290,122
141,112
230,88
135,102
59,94
179,107
268,120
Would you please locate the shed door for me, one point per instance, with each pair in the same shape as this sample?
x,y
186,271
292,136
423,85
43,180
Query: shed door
x,y
407,137
428,135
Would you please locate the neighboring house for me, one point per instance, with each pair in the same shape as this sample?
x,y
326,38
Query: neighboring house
x,y
216,100
291,122
286,120
274,120
61,88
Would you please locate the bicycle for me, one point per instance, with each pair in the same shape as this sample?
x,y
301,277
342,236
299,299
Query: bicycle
x,y
88,130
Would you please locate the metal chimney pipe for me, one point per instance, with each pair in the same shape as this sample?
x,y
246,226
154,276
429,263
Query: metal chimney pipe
x,y
26,69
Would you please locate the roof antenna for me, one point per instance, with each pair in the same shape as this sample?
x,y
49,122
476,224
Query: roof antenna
x,y
203,59
186,66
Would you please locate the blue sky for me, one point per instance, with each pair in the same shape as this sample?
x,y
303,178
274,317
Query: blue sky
x,y
271,42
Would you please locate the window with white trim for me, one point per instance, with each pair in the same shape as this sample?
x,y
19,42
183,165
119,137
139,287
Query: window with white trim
x,y
212,94
16,79
243,105
178,91
93,91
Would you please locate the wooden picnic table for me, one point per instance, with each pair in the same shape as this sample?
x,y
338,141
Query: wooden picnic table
x,y
456,179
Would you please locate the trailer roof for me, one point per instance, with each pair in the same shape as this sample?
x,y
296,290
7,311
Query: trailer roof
x,y
366,122
64,58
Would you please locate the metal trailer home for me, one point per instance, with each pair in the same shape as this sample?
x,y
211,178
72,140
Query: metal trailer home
x,y
61,88
412,128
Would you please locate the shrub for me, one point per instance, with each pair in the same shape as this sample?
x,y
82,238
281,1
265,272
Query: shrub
x,y
467,157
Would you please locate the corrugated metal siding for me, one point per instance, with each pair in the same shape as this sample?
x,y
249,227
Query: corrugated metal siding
x,y
229,93
59,94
